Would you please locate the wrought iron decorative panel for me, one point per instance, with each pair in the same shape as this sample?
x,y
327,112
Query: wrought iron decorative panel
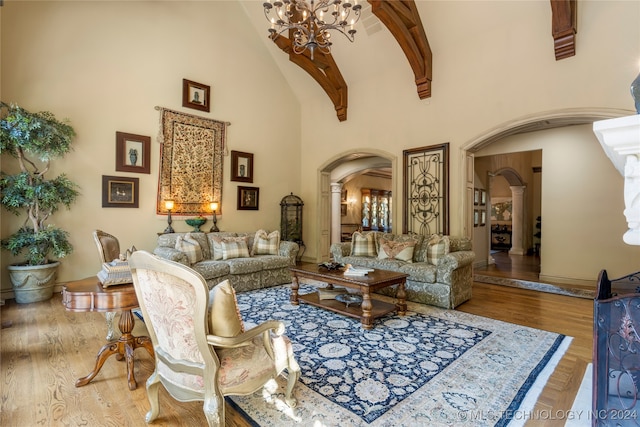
x,y
426,190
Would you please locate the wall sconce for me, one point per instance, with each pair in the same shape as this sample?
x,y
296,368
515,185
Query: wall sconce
x,y
168,205
214,208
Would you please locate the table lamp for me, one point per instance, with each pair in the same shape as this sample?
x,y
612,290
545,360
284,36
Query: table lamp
x,y
168,205
214,208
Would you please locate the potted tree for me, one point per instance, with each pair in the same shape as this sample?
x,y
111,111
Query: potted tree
x,y
33,139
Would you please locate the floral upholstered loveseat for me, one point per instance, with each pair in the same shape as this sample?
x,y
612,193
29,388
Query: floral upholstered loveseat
x,y
440,268
249,261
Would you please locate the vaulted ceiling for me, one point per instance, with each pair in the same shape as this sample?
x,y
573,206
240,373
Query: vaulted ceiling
x,y
402,20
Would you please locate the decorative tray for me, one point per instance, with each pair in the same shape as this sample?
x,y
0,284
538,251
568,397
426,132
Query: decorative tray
x,y
349,299
331,265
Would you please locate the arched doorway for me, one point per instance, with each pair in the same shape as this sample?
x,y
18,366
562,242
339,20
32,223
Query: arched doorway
x,y
334,173
532,123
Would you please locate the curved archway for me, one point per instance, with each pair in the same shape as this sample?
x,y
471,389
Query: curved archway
x,y
335,171
530,123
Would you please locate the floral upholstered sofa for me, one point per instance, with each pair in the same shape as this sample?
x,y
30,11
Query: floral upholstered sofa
x,y
249,261
440,268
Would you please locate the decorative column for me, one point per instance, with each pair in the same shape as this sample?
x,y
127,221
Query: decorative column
x,y
336,221
620,139
517,221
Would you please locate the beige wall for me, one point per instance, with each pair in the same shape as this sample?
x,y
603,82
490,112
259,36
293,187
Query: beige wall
x,y
106,65
582,205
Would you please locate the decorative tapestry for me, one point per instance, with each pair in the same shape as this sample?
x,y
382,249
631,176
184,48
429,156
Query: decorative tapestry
x,y
191,160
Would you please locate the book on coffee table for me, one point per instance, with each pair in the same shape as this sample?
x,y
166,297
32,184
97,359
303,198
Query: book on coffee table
x,y
326,293
350,270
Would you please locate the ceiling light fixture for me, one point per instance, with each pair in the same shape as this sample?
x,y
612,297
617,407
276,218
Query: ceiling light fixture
x,y
311,21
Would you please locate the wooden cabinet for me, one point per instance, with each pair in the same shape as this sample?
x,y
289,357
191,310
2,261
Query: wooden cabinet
x,y
376,210
500,237
616,352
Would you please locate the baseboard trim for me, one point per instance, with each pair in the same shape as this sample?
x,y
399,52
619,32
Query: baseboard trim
x,y
567,281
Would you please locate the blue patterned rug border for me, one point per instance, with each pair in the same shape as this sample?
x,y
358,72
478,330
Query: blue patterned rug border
x,y
516,403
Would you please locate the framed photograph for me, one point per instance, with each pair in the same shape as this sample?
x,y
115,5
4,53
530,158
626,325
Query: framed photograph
x,y
483,197
343,209
119,192
195,95
248,198
343,196
476,217
241,166
476,196
483,218
133,153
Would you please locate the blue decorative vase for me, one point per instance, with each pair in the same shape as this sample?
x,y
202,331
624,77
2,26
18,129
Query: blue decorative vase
x,y
196,223
635,93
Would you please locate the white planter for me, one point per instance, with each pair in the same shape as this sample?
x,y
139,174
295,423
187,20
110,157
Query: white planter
x,y
33,283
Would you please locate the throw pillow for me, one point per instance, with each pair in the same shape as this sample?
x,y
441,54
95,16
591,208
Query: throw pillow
x,y
190,247
224,317
216,244
232,250
402,251
266,244
363,244
437,247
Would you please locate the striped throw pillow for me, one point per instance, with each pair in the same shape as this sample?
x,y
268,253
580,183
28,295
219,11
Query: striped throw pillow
x,y
437,247
363,244
232,250
266,244
190,247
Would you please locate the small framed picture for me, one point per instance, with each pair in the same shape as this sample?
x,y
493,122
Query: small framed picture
x,y
483,197
248,198
476,217
133,153
241,166
119,192
483,218
343,196
343,209
195,95
476,196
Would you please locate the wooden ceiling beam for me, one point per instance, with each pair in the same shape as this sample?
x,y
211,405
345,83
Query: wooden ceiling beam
x,y
402,19
564,26
324,70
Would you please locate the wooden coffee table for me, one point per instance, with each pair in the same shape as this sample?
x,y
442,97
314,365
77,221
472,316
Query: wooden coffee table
x,y
369,310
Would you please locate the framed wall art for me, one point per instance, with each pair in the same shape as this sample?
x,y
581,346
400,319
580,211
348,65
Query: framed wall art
x,y
133,153
483,218
119,192
248,198
195,95
476,196
476,217
483,197
241,166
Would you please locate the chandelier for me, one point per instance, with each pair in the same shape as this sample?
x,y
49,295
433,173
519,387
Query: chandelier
x,y
311,21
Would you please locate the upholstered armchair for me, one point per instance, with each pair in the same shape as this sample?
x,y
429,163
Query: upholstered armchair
x,y
201,349
108,250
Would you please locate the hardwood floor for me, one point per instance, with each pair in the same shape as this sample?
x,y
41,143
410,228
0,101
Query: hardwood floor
x,y
46,348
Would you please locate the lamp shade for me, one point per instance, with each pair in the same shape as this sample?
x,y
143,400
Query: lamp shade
x,y
168,204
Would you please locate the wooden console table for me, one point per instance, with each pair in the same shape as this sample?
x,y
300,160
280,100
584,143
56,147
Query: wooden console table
x,y
89,295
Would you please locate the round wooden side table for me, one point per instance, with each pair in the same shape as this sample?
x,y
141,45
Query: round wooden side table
x,y
89,295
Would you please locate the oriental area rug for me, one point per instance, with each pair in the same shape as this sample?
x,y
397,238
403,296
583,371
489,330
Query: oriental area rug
x,y
432,367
